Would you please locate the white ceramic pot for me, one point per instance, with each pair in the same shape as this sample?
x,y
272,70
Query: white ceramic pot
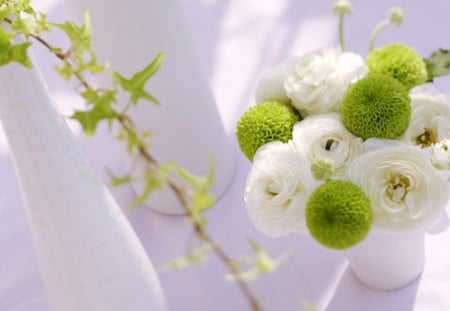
x,y
89,256
388,260
186,128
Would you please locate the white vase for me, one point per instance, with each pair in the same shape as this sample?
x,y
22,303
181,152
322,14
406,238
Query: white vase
x,y
186,128
88,254
388,260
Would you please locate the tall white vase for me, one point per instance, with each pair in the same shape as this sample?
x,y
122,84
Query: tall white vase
x,y
89,256
186,128
388,260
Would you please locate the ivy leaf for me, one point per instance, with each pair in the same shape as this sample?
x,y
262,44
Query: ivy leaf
x,y
263,261
17,5
31,24
135,85
133,139
195,256
199,194
93,66
308,306
101,110
262,264
79,36
13,52
9,7
116,180
153,181
18,53
438,64
65,71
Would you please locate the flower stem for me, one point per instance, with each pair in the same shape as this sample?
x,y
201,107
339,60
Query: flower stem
x,y
378,28
341,32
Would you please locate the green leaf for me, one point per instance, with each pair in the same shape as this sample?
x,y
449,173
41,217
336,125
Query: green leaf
x,y
79,36
101,110
133,139
93,66
153,181
438,64
262,263
10,52
198,187
31,24
195,256
65,71
116,180
135,85
8,7
308,306
19,54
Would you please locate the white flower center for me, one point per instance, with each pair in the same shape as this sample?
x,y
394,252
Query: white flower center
x,y
331,145
397,188
273,189
426,139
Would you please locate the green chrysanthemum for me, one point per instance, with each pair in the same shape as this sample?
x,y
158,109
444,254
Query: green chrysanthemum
x,y
338,214
376,106
263,123
400,62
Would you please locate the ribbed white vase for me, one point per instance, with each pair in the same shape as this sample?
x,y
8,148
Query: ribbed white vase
x,y
388,260
186,128
89,256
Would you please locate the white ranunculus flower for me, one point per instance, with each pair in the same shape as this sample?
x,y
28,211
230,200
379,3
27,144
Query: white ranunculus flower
x,y
430,118
321,79
277,189
270,86
406,192
324,136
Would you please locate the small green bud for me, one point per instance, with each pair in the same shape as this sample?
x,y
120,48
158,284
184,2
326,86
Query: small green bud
x,y
396,15
343,7
322,168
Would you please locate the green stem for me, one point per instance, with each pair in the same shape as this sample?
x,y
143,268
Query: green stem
x,y
341,32
376,31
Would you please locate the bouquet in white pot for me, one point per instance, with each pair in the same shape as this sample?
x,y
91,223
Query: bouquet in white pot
x,y
352,149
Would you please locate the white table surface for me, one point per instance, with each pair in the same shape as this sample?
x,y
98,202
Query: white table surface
x,y
237,41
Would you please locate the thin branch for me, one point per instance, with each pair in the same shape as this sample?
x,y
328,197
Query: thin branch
x,y
127,124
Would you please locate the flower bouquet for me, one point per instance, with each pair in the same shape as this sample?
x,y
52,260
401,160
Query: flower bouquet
x,y
352,150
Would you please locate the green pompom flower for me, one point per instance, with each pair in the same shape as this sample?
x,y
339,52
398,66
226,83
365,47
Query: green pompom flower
x,y
400,62
338,214
376,106
264,123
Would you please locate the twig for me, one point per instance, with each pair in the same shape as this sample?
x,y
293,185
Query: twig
x,y
127,124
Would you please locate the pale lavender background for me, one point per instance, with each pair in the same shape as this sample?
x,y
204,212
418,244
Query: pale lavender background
x,y
238,40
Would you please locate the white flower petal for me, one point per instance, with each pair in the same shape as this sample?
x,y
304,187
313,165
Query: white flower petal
x,y
270,86
440,154
374,143
430,117
320,80
324,136
405,190
277,189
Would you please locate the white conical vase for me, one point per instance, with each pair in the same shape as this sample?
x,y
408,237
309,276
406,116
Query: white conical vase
x,y
89,256
388,260
186,128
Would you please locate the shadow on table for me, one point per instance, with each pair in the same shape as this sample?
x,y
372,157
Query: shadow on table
x,y
352,295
